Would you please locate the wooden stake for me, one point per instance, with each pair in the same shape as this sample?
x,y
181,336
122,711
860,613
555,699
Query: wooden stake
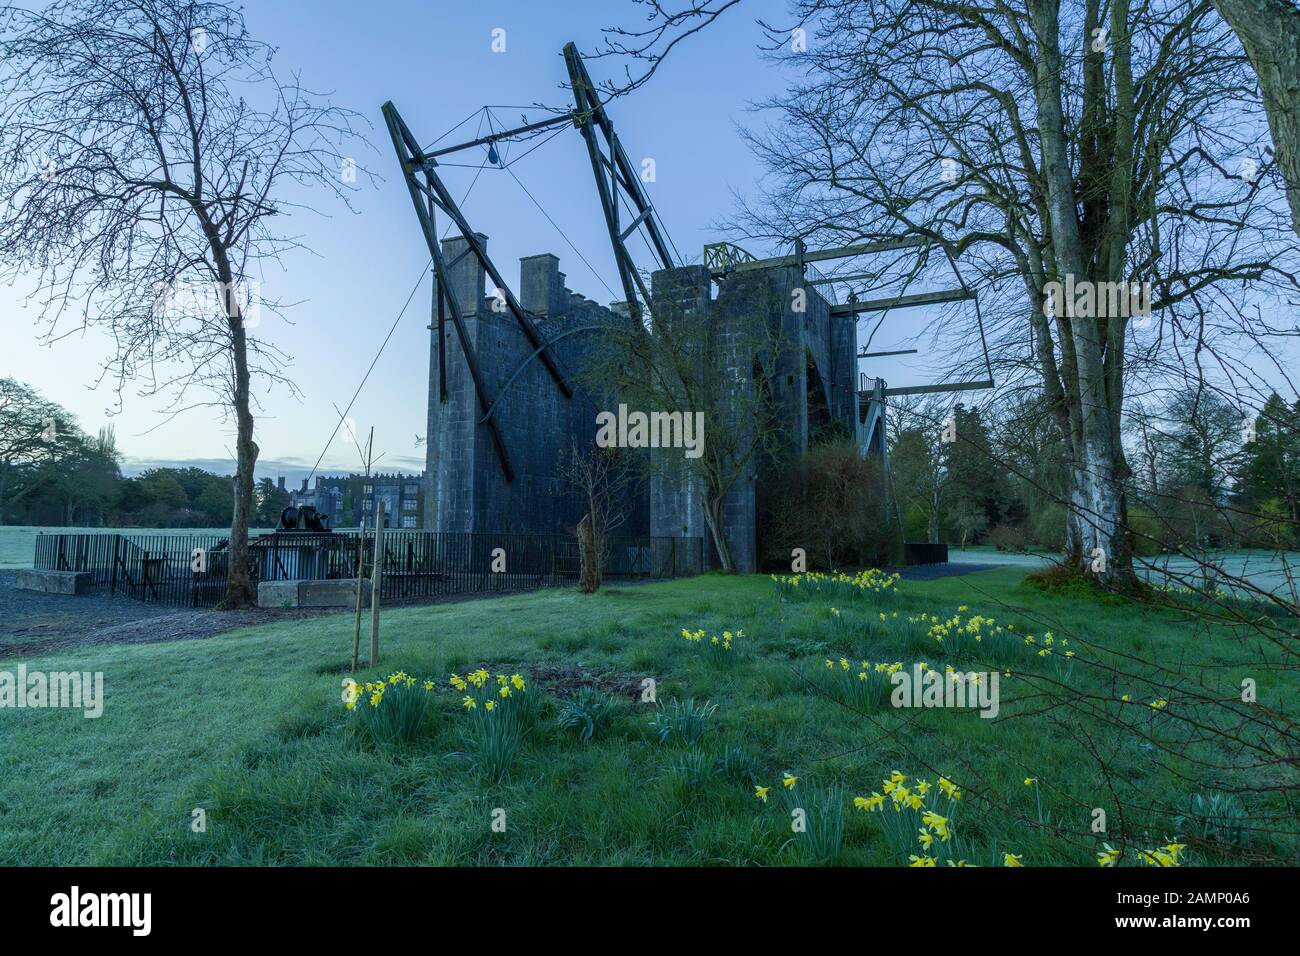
x,y
361,556
376,580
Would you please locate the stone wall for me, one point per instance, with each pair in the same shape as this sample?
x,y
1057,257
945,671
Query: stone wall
x,y
466,489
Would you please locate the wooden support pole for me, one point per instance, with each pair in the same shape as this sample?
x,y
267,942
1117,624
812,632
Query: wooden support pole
x,y
361,557
376,580
356,624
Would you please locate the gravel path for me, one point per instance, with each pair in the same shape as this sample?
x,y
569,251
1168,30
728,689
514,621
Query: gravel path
x,y
34,623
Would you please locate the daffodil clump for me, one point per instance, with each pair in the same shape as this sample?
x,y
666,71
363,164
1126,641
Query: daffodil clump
x,y
917,819
872,584
861,685
502,713
491,690
815,815
391,711
1168,855
717,646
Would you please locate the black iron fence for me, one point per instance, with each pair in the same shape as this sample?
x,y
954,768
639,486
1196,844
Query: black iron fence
x,y
190,570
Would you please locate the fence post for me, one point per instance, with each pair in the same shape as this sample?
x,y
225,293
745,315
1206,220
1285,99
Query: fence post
x,y
376,581
117,543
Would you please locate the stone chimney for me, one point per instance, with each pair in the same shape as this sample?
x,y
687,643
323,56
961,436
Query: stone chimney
x,y
466,276
541,285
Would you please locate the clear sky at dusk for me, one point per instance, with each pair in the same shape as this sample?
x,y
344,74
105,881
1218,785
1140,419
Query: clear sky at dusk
x,y
435,61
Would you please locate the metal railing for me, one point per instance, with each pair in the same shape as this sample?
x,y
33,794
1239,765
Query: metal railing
x,y
190,570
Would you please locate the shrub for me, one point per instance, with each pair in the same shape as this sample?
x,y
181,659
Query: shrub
x,y
1007,537
833,504
737,763
1047,527
815,816
693,767
719,647
588,713
862,689
917,820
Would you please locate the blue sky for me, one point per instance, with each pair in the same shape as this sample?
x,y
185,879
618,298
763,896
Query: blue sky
x,y
434,60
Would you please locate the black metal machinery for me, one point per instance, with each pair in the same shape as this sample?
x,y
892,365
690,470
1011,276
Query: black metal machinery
x,y
303,519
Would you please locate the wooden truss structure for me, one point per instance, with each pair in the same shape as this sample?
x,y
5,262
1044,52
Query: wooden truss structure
x,y
619,187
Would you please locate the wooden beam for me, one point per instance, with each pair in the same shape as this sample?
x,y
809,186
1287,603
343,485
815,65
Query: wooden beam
x,y
506,134
942,387
866,354
403,144
902,302
837,252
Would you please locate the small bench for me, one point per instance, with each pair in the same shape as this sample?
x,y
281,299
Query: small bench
x,y
54,582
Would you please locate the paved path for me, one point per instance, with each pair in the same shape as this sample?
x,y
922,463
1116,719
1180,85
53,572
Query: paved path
x,y
1263,569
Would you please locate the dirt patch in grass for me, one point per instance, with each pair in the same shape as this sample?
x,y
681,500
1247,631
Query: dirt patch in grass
x,y
565,680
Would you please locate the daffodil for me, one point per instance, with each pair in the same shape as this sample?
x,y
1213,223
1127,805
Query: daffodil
x,y
1109,856
761,793
788,780
1012,859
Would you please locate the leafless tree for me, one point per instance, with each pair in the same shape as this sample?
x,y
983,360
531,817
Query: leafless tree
x,y
599,478
724,370
1043,142
148,156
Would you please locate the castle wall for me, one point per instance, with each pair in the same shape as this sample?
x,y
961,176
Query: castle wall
x,y
466,489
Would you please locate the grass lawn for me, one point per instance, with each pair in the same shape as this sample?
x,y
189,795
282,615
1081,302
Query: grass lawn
x,y
250,727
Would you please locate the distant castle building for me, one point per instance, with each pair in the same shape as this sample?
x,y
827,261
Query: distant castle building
x,y
465,487
351,501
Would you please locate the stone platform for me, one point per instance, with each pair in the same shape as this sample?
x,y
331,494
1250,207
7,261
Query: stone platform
x,y
337,592
54,582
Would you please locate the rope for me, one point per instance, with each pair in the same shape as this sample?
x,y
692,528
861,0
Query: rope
x,y
561,232
419,282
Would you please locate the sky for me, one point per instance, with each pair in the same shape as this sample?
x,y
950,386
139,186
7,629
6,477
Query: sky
x,y
435,61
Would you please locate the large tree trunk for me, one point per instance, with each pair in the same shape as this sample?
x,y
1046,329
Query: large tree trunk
x,y
1270,32
1096,543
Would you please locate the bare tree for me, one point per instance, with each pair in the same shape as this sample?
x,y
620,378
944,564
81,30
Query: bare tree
x,y
599,478
1270,32
147,153
1051,146
720,371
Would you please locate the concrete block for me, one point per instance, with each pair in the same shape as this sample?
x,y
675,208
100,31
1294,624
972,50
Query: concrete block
x,y
54,582
337,592
275,594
